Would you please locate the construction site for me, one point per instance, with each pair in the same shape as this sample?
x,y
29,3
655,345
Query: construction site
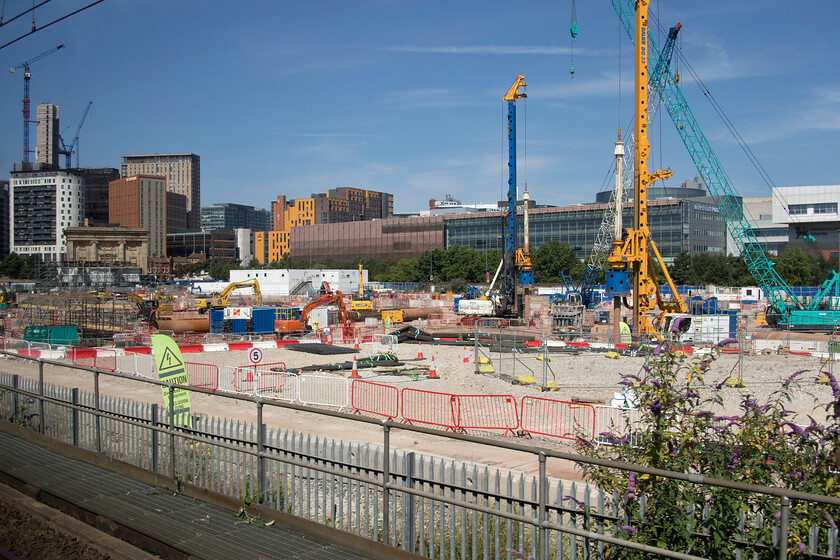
x,y
511,375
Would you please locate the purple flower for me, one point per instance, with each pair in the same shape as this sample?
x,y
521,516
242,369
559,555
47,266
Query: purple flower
x,y
733,459
575,500
628,528
832,381
795,429
793,376
688,395
705,414
802,547
724,342
656,383
828,518
657,350
703,366
631,486
675,326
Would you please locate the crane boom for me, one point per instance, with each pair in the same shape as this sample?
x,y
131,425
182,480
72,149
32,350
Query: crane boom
x,y
786,307
68,151
26,104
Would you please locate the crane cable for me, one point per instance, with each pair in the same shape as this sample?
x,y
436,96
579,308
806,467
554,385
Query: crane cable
x,y
53,22
573,31
765,176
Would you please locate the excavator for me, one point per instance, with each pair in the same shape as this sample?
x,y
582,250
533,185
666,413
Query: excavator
x,y
284,327
222,299
6,298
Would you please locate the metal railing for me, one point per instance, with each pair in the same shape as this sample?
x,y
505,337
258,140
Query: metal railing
x,y
430,506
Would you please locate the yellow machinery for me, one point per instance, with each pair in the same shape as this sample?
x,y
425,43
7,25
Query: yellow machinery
x,y
395,315
362,300
222,299
6,297
631,255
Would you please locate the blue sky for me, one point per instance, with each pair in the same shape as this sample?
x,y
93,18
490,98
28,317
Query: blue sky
x,y
405,96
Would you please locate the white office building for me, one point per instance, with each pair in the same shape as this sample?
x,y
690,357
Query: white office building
x,y
811,215
43,204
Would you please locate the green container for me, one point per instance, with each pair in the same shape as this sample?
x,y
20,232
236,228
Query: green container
x,y
52,334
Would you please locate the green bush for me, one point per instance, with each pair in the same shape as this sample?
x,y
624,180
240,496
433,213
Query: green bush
x,y
679,431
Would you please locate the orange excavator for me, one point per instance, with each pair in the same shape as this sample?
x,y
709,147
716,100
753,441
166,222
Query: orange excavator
x,y
289,326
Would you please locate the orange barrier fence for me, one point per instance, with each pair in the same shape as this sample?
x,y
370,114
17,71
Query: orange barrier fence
x,y
429,407
561,419
375,398
102,358
486,412
204,376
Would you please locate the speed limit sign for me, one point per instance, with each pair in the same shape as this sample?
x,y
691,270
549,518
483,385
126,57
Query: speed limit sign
x,y
255,355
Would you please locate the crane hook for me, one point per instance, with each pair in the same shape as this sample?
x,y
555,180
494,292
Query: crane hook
x,y
572,69
574,30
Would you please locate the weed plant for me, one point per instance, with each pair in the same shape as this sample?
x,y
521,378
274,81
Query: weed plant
x,y
761,445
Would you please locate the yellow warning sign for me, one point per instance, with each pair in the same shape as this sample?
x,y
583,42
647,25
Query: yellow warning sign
x,y
171,369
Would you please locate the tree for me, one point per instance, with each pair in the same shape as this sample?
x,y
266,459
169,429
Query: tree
x,y
681,271
551,259
404,270
797,267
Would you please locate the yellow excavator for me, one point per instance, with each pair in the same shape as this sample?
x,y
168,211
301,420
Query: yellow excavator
x,y
6,298
222,299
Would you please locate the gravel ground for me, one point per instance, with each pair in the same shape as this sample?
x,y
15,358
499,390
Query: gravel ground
x,y
590,377
33,531
587,376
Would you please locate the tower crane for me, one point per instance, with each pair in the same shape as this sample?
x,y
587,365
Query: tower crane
x,y
26,76
632,255
68,151
786,309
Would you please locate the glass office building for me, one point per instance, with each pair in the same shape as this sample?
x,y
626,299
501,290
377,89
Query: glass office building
x,y
692,224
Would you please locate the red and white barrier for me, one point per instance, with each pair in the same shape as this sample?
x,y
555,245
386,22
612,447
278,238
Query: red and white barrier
x,y
428,407
375,398
205,376
486,412
560,419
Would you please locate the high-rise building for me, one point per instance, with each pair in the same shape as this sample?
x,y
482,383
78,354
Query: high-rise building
x,y
139,201
43,204
5,224
234,216
96,193
46,136
182,173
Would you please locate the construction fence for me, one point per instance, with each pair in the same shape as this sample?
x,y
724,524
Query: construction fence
x,y
434,507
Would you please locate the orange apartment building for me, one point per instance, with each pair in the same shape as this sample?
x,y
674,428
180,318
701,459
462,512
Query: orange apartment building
x,y
340,205
139,201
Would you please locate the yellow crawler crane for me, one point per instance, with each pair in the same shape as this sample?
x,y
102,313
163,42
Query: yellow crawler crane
x,y
631,255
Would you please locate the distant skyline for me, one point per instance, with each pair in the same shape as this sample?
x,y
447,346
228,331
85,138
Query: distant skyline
x,y
405,97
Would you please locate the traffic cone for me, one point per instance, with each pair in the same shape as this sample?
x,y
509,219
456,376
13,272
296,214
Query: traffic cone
x,y
356,344
419,350
355,373
433,370
466,356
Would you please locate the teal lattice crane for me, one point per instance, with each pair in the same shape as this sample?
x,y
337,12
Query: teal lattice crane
x,y
786,309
